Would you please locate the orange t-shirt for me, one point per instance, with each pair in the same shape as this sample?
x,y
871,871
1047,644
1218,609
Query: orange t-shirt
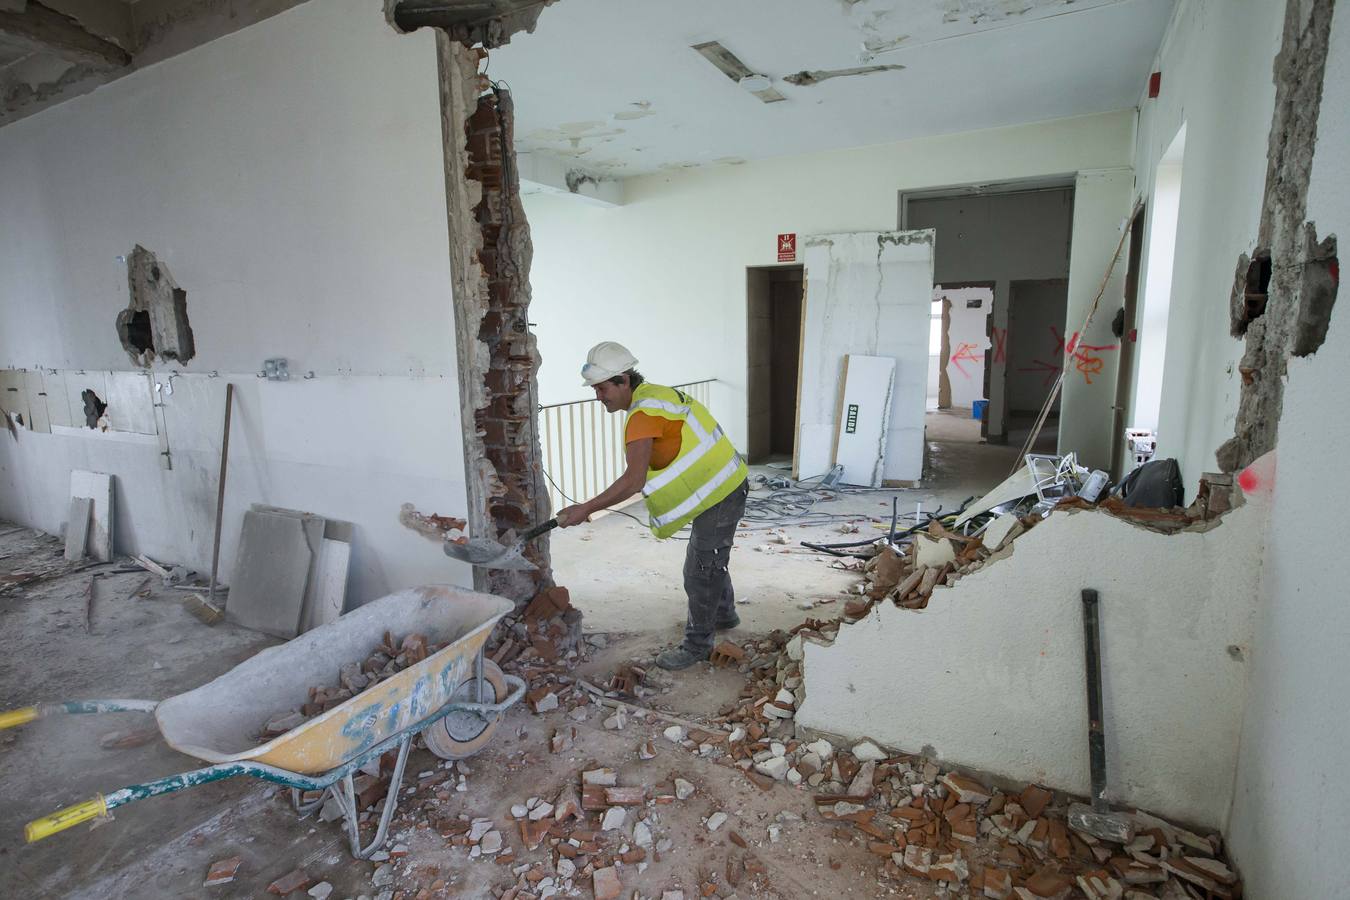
x,y
665,435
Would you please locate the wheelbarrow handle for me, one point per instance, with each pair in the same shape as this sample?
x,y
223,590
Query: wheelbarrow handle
x,y
16,717
23,716
62,819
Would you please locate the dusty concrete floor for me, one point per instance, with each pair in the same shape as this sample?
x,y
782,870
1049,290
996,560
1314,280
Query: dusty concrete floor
x,y
151,648
626,583
625,580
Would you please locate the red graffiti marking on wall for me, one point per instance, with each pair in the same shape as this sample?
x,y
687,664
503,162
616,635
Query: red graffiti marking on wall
x,y
1085,357
1000,336
964,353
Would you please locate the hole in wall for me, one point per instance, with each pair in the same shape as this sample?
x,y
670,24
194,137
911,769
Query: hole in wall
x,y
155,322
94,407
138,338
1251,290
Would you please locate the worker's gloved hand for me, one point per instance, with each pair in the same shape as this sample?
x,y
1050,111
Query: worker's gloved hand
x,y
572,515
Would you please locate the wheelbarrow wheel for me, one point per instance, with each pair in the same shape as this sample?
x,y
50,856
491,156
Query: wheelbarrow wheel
x,y
462,734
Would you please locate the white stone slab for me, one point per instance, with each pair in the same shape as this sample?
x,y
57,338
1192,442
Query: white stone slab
x,y
864,416
77,527
270,573
98,487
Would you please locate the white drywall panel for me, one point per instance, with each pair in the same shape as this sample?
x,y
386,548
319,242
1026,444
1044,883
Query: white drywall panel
x,y
868,293
1216,63
1292,805
1001,655
865,414
1089,392
968,339
668,267
289,175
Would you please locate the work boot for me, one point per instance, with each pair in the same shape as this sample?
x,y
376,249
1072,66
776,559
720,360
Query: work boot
x,y
728,624
680,658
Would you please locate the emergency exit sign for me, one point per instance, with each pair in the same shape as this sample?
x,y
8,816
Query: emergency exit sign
x,y
787,247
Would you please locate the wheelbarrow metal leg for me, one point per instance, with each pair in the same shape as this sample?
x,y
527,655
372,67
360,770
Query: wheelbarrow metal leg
x,y
304,809
345,793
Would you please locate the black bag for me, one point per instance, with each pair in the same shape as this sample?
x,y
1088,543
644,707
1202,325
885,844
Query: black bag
x,y
1157,483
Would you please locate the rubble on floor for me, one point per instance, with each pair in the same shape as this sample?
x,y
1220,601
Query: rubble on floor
x,y
597,832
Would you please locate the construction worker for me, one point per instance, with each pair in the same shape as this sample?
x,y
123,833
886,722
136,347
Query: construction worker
x,y
689,472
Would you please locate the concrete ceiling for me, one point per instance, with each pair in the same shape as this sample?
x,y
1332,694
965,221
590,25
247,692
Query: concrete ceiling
x,y
612,86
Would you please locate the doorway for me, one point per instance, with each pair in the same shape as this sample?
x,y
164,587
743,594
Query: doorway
x,y
773,307
1037,311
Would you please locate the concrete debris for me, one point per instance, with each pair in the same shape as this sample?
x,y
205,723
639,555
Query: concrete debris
x,y
716,820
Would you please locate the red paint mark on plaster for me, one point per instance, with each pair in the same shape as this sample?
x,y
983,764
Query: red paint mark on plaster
x,y
1259,476
965,353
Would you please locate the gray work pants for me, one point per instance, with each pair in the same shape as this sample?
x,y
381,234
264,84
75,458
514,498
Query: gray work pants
x,y
707,580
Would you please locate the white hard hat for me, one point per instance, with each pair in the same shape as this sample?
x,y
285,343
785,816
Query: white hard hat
x,y
606,360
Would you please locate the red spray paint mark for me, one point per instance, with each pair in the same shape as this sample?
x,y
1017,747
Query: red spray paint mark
x,y
964,354
1000,336
1248,481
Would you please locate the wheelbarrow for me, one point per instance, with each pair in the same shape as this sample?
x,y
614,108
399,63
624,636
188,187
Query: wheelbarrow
x,y
454,698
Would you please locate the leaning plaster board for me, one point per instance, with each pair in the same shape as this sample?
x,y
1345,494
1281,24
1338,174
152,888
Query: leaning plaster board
x,y
99,488
864,415
994,665
330,592
58,401
77,528
130,402
271,570
38,419
867,293
13,397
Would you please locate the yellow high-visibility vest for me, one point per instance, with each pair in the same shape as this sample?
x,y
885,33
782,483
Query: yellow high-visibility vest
x,y
705,471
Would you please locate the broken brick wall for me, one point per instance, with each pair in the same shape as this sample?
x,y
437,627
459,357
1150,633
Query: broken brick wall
x,y
498,360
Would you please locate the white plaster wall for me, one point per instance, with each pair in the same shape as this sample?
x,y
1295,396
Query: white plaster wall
x,y
1089,392
1291,811
869,294
969,327
1000,656
290,177
665,272
1216,63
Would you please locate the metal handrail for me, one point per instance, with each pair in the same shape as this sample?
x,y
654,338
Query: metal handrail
x,y
583,453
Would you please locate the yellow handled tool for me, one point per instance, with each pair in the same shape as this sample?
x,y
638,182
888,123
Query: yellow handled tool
x,y
16,717
60,820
